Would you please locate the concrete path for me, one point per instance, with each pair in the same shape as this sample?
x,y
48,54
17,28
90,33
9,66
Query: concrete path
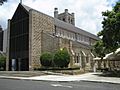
x,y
94,77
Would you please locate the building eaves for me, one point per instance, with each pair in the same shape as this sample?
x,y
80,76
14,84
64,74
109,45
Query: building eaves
x,y
72,28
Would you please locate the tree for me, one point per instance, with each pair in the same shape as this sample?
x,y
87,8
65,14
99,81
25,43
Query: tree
x,y
2,1
111,28
99,49
2,62
46,59
62,58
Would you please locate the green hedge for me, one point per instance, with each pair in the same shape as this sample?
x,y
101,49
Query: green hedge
x,y
62,58
46,59
2,62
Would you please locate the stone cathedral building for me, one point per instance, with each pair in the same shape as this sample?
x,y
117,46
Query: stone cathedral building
x,y
31,33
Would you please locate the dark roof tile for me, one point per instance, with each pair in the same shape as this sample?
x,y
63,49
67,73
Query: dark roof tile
x,y
65,25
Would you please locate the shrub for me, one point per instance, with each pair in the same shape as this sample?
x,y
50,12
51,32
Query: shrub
x,y
2,62
62,58
46,59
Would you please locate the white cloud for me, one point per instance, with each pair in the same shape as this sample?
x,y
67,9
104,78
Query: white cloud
x,y
87,12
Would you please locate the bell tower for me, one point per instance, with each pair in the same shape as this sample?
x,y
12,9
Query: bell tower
x,y
65,16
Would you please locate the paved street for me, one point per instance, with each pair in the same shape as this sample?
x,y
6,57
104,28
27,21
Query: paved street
x,y
9,84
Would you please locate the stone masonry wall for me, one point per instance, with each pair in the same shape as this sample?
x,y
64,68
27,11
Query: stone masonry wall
x,y
49,43
39,22
77,49
41,39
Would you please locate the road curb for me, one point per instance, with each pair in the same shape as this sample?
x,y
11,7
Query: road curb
x,y
99,82
25,78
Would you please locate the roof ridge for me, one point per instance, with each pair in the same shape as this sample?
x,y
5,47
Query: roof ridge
x,y
66,25
26,7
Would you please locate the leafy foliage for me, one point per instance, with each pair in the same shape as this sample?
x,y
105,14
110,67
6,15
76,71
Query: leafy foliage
x,y
46,59
99,49
2,1
62,58
2,62
111,28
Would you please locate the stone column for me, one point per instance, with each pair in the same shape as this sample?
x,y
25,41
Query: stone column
x,y
72,61
83,62
95,67
30,41
72,57
7,48
80,61
89,63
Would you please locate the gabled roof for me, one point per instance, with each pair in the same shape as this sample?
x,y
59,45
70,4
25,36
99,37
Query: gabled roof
x,y
66,26
72,28
26,7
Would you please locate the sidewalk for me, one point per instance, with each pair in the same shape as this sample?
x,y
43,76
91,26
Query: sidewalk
x,y
94,77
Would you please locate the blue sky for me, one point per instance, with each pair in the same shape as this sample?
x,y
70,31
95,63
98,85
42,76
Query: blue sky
x,y
87,12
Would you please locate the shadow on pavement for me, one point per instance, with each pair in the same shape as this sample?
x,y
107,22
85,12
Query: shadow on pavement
x,y
109,74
